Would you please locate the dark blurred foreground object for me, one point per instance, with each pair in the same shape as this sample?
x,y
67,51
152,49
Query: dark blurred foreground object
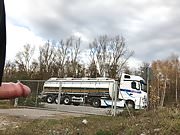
x,y
8,90
2,38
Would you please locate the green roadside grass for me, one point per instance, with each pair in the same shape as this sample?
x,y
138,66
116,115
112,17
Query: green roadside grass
x,y
164,121
5,104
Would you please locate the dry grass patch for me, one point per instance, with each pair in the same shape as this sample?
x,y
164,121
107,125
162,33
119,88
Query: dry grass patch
x,y
163,121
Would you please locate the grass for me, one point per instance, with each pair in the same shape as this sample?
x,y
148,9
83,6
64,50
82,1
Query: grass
x,y
164,121
5,104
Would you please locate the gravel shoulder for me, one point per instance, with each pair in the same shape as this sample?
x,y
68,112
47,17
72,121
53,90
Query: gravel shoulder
x,y
36,113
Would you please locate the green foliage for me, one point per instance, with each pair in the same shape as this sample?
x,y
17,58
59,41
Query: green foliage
x,y
30,101
5,104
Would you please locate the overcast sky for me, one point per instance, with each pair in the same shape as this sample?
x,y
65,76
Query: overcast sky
x,y
151,28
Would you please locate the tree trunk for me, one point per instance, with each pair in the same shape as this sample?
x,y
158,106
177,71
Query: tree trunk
x,y
164,93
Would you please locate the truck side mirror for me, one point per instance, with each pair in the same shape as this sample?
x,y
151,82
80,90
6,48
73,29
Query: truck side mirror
x,y
133,85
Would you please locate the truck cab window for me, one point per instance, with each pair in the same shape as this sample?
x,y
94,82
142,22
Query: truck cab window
x,y
142,87
135,85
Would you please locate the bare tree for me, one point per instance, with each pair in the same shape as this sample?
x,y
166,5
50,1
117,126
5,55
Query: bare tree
x,y
63,50
92,70
110,54
174,60
72,62
10,71
23,58
46,59
35,69
65,56
99,52
166,79
74,54
119,55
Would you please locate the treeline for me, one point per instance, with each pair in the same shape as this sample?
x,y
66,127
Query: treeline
x,y
164,81
165,84
105,56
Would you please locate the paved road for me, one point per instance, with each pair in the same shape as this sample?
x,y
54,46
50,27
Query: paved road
x,y
36,113
53,110
80,109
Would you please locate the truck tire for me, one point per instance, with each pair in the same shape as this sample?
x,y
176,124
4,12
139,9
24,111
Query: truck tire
x,y
130,104
50,99
96,102
67,100
56,100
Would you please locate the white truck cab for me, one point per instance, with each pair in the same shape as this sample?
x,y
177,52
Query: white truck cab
x,y
132,90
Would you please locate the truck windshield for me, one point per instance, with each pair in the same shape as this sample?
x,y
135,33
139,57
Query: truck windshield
x,y
143,86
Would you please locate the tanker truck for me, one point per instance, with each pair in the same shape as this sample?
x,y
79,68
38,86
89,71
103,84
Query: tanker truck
x,y
129,91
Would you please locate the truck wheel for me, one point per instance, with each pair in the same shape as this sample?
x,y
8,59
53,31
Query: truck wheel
x,y
56,100
96,102
130,104
50,99
67,100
